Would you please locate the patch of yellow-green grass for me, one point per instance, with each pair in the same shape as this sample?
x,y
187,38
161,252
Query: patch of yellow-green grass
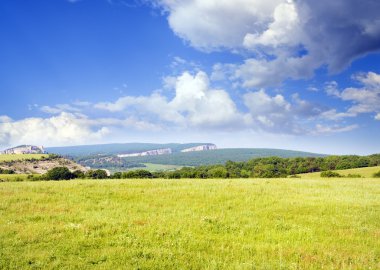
x,y
13,177
160,167
16,157
364,172
191,224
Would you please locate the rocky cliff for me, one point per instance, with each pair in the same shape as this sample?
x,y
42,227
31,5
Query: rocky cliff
x,y
205,147
165,151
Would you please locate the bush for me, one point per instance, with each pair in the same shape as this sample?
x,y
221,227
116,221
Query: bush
x,y
96,174
5,171
79,174
117,175
353,176
330,174
59,173
377,175
218,172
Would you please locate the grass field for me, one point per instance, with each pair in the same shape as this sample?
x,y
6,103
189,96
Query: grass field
x,y
364,172
191,224
13,177
159,167
21,157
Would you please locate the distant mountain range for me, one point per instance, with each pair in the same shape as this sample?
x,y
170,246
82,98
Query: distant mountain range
x,y
126,149
136,155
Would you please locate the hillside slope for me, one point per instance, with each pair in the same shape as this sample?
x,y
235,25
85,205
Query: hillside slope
x,y
36,164
366,172
117,148
219,156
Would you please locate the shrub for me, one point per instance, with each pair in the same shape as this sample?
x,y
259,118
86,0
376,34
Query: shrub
x,y
217,172
377,175
6,171
353,176
330,174
78,174
96,174
117,175
59,173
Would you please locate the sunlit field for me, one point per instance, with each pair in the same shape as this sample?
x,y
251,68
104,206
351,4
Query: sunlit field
x,y
191,224
21,157
366,172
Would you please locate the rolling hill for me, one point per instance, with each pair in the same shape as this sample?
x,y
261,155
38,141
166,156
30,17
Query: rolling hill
x,y
366,172
219,156
106,155
117,148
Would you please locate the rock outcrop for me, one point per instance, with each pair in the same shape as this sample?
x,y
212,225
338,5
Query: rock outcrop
x,y
165,151
24,149
198,148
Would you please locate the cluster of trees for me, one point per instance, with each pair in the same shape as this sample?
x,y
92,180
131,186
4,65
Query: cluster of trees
x,y
6,171
331,174
219,156
63,173
270,167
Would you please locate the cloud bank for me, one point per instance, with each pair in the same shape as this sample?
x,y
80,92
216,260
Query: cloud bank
x,y
280,38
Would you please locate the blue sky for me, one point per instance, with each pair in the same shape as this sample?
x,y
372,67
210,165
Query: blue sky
x,y
299,75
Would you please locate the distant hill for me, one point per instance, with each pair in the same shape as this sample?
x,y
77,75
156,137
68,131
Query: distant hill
x,y
24,149
122,155
118,148
35,163
219,156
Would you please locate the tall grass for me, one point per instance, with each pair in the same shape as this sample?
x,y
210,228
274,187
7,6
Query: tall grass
x,y
16,157
191,224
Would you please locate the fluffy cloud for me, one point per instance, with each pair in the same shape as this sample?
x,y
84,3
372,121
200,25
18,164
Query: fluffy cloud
x,y
365,99
287,38
195,104
276,114
321,129
65,128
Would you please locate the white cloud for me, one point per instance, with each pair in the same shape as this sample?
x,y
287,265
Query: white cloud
x,y
331,89
59,108
366,99
261,72
377,117
195,104
289,39
65,128
203,23
283,30
320,129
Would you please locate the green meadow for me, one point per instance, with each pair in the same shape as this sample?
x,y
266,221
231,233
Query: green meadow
x,y
366,172
21,157
191,224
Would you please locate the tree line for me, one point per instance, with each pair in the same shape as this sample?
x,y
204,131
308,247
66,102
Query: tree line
x,y
268,167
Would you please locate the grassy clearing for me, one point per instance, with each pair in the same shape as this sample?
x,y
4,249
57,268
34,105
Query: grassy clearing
x,y
13,177
160,167
364,172
21,157
191,224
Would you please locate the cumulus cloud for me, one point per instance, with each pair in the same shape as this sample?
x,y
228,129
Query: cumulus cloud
x,y
195,104
365,99
321,129
278,115
65,128
287,38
